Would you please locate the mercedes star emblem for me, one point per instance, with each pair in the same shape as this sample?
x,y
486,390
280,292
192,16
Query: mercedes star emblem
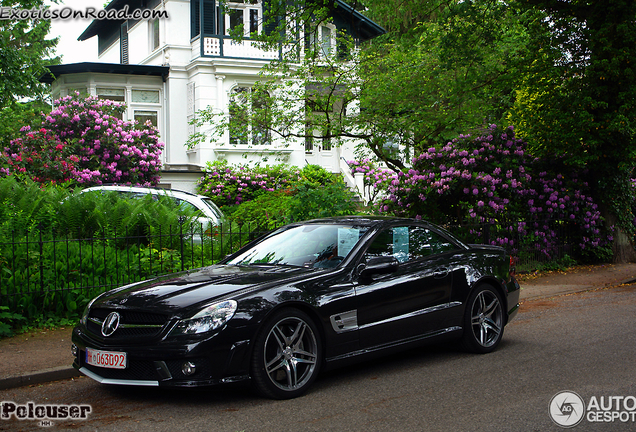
x,y
110,324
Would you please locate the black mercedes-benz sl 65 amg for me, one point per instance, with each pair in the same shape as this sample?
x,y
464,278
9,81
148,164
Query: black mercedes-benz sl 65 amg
x,y
304,298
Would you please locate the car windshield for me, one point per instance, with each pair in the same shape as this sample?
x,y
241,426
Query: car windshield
x,y
213,208
315,246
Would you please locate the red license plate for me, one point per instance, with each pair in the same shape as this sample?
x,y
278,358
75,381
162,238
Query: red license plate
x,y
106,359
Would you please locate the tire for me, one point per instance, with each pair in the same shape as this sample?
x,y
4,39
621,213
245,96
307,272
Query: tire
x,y
483,320
287,354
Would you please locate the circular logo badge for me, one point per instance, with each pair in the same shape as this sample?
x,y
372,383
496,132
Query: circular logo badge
x,y
110,324
567,409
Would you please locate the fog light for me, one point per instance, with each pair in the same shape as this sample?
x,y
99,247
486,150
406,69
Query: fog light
x,y
74,350
188,368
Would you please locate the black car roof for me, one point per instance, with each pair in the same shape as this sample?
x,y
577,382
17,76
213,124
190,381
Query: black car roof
x,y
366,220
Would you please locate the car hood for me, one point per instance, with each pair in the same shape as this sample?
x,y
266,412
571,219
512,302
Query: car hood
x,y
179,293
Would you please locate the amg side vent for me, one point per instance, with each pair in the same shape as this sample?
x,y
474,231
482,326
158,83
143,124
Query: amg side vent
x,y
345,321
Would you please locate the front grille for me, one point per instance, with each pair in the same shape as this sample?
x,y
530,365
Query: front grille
x,y
130,316
145,370
135,370
133,325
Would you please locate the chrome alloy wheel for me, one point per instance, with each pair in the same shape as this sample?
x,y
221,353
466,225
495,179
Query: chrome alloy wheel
x,y
290,353
487,318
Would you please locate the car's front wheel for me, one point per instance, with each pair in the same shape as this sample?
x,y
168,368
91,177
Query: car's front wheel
x,y
483,320
287,354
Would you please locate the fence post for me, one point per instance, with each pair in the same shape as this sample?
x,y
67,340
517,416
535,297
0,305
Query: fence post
x,y
160,249
41,261
486,233
181,243
221,246
116,261
54,239
105,258
68,264
28,262
139,251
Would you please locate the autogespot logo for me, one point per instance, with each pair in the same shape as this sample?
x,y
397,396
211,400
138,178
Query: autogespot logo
x,y
567,409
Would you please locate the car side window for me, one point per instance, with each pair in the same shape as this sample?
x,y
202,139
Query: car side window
x,y
426,242
408,243
187,206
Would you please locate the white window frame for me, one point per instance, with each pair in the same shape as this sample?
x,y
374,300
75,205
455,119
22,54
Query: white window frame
x,y
246,8
154,27
318,40
146,106
237,92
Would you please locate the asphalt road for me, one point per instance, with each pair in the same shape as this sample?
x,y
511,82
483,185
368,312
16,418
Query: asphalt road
x,y
585,343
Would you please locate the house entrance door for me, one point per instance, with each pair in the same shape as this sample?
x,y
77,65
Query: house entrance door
x,y
320,152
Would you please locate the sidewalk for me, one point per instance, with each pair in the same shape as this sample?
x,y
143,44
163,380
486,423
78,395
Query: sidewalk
x,y
45,355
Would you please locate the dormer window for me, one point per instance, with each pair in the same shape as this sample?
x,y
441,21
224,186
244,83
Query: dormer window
x,y
321,40
246,13
324,40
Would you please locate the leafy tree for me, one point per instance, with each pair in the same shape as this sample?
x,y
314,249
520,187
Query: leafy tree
x,y
443,68
17,115
83,141
578,98
24,53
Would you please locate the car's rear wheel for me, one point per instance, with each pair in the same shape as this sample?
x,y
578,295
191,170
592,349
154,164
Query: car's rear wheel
x,y
483,320
287,355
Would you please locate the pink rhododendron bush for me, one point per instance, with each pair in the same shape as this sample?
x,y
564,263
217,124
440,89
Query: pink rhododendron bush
x,y
491,181
83,141
230,185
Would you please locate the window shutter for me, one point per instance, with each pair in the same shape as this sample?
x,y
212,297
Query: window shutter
x,y
195,19
271,10
208,17
124,43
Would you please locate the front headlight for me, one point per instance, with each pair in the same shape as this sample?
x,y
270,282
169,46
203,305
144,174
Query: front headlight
x,y
86,311
208,319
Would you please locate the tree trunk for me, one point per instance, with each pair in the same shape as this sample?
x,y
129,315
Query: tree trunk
x,y
622,246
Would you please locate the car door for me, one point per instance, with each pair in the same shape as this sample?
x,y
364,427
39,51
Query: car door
x,y
410,301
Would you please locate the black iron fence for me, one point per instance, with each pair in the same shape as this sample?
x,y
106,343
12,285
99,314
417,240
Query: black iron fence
x,y
61,272
531,243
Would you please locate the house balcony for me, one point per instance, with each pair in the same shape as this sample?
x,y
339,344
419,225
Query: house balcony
x,y
223,46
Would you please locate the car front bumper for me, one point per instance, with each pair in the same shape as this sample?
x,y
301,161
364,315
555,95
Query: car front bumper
x,y
168,363
513,291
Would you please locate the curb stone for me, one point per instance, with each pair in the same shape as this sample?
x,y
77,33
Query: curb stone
x,y
39,377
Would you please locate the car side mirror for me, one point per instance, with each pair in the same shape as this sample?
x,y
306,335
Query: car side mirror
x,y
379,265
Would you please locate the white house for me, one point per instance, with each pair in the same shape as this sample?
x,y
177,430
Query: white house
x,y
166,69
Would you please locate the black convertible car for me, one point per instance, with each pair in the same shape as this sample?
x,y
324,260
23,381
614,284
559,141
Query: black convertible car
x,y
306,297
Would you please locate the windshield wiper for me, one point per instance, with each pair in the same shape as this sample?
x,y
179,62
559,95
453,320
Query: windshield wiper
x,y
275,265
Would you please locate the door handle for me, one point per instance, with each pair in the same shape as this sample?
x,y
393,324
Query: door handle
x,y
441,273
